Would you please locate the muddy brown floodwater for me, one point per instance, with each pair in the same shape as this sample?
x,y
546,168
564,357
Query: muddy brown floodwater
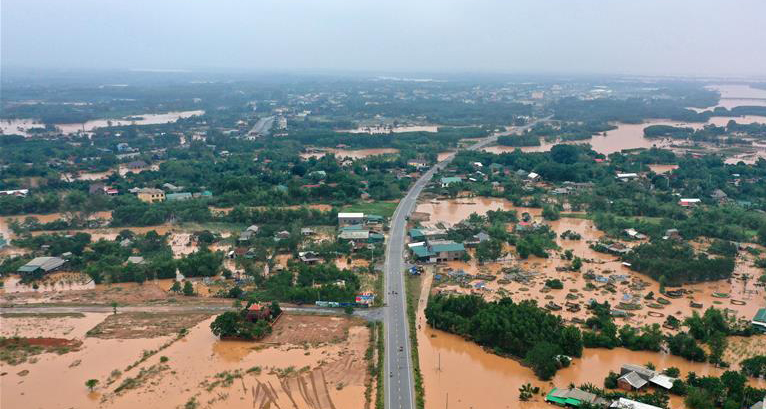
x,y
469,377
630,136
321,376
352,154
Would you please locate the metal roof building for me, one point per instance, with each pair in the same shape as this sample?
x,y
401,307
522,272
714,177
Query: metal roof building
x,y
45,264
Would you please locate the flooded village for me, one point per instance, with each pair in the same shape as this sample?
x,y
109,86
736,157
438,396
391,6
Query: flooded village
x,y
244,253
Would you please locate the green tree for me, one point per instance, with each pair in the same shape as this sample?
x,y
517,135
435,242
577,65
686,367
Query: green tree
x,y
188,288
91,384
698,398
176,287
718,345
550,213
542,359
576,264
275,309
610,382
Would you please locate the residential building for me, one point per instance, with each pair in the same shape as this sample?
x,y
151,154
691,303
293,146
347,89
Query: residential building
x,y
438,251
624,403
446,181
16,192
673,234
308,257
345,219
258,311
650,376
171,187
306,231
761,404
626,176
136,260
631,381
573,397
150,195
689,202
178,196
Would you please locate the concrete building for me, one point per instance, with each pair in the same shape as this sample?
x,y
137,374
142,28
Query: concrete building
x,y
150,195
347,219
437,251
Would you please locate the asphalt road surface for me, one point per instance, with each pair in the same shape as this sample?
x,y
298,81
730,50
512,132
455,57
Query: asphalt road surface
x,y
399,384
263,126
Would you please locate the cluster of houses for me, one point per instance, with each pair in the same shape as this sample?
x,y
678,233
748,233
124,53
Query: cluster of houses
x,y
635,377
632,378
153,195
360,230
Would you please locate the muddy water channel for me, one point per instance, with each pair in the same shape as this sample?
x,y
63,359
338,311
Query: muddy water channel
x,y
346,153
282,371
461,374
631,136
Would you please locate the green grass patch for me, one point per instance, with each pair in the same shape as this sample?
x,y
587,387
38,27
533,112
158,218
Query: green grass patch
x,y
380,208
583,216
379,398
413,284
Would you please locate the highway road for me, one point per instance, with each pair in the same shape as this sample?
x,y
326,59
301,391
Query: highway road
x,y
263,126
399,384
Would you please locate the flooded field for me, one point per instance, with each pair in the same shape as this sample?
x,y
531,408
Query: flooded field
x,y
5,222
629,136
734,95
310,362
662,168
463,375
20,126
351,154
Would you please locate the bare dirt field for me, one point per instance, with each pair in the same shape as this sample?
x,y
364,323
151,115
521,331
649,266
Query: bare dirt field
x,y
310,329
132,325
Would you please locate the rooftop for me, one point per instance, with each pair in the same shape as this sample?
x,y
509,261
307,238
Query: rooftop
x,y
43,263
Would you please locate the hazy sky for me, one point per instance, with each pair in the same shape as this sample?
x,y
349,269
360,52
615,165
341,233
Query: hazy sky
x,y
665,37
